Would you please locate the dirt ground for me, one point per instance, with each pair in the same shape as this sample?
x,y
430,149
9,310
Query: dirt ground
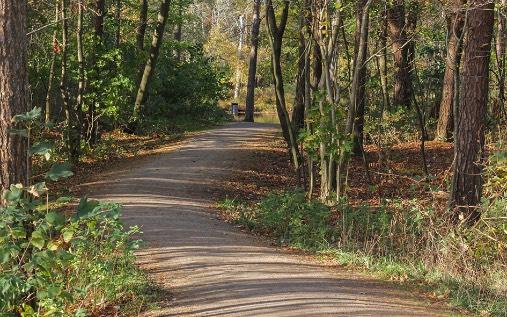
x,y
213,268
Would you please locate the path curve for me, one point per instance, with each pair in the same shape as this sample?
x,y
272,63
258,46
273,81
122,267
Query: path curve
x,y
211,267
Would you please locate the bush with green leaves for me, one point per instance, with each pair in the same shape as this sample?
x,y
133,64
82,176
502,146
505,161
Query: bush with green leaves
x,y
56,261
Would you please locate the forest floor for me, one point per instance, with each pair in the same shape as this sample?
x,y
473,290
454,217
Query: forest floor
x,y
213,268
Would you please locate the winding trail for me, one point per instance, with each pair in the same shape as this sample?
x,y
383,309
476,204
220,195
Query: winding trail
x,y
212,268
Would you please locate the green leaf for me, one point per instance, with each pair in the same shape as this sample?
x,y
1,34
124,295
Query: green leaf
x,y
14,193
38,239
29,116
18,233
64,200
41,148
53,245
86,206
60,170
68,235
55,219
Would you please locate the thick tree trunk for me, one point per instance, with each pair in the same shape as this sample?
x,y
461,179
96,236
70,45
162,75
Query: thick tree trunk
x,y
141,26
252,66
467,180
149,68
398,35
13,91
456,19
98,18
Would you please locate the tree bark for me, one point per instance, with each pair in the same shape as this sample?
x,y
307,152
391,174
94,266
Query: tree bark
x,y
252,66
117,17
501,58
98,18
178,32
360,101
467,179
237,86
456,20
149,68
13,91
49,93
72,126
141,26
398,35
298,113
276,36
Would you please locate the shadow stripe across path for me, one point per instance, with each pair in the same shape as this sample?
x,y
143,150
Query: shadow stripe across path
x,y
211,267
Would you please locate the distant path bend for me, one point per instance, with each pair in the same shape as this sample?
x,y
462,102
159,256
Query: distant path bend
x,y
211,267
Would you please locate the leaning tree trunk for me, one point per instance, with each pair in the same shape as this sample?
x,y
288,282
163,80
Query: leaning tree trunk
x,y
397,34
456,20
14,92
149,68
276,36
467,179
252,66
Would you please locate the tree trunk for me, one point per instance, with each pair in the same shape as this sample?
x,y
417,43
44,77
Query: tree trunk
x,y
358,134
72,126
98,18
501,58
178,31
467,180
397,34
49,93
149,68
456,19
252,66
14,92
382,63
237,86
276,36
141,26
298,113
80,58
117,17
354,96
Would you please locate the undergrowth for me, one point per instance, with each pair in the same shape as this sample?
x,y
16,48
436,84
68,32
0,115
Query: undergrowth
x,y
407,241
58,260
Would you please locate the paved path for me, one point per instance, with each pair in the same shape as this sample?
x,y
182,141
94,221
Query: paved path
x,y
211,267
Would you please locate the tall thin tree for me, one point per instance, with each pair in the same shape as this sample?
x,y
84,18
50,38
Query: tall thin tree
x,y
149,68
252,65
